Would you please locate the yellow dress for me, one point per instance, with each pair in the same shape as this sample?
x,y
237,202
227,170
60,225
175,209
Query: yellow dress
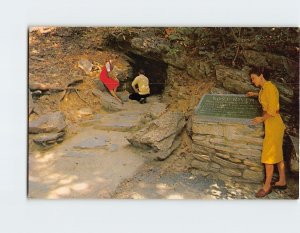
x,y
274,126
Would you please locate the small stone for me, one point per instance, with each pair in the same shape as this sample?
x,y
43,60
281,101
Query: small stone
x,y
226,163
202,157
215,165
232,192
197,149
85,112
258,169
211,129
213,169
251,163
86,65
48,138
37,93
50,142
51,122
199,165
200,137
216,192
215,186
59,140
235,160
223,156
197,172
249,152
238,156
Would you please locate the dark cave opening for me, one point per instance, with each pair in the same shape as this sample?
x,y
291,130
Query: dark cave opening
x,y
156,71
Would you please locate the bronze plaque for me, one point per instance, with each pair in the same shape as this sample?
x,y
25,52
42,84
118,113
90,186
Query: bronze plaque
x,y
228,106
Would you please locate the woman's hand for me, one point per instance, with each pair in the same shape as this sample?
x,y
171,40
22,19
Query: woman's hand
x,y
257,120
250,94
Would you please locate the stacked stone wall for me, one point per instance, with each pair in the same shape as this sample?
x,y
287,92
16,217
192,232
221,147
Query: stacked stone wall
x,y
228,151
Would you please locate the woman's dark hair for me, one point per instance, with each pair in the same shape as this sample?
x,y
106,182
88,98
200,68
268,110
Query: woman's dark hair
x,y
141,71
261,70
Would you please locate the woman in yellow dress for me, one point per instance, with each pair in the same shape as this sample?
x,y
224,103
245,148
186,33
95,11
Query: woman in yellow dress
x,y
268,97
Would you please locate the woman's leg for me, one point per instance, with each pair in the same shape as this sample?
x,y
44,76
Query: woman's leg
x,y
281,170
269,175
113,93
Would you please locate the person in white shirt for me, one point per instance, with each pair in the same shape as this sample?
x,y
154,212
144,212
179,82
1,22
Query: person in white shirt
x,y
141,88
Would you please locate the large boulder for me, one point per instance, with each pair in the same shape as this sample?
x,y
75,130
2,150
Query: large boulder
x,y
149,45
176,59
84,112
108,102
286,92
123,95
233,80
160,135
271,61
99,84
86,65
199,69
122,71
51,122
238,81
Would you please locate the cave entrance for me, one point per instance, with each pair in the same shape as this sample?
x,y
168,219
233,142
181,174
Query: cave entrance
x,y
156,71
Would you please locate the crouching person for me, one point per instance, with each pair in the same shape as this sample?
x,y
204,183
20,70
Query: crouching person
x,y
141,88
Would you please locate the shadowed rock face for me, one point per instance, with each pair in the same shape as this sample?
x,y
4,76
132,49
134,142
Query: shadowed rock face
x,y
51,122
271,61
234,80
160,135
237,81
154,70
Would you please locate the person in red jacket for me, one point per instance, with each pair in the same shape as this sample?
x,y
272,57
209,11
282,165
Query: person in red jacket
x,y
106,77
